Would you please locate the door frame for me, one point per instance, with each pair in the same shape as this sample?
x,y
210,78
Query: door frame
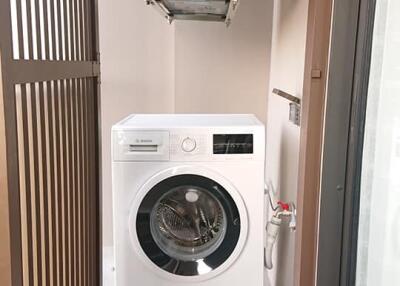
x,y
311,139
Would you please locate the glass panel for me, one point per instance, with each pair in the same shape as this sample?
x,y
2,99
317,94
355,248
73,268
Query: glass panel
x,y
188,223
378,257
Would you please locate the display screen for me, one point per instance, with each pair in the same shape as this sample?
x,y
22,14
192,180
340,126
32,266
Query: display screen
x,y
233,144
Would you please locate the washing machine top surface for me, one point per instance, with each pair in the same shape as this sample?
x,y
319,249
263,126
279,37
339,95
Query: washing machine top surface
x,y
168,121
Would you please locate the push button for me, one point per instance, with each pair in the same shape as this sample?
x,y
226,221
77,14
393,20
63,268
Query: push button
x,y
188,144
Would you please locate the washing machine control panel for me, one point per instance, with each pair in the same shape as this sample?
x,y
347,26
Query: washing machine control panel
x,y
189,146
183,145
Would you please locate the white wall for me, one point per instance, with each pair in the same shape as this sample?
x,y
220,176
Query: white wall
x,y
287,69
225,70
137,66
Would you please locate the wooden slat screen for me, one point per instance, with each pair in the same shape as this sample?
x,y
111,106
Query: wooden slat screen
x,y
50,83
56,120
52,29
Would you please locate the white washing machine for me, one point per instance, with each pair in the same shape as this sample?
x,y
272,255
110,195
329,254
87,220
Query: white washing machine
x,y
188,200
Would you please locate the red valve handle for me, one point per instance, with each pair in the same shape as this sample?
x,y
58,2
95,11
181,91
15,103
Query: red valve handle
x,y
283,205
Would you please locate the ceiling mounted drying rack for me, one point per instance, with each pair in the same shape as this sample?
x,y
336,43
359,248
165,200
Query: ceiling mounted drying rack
x,y
200,10
295,105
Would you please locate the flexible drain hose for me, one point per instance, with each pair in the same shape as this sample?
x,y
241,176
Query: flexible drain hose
x,y
272,234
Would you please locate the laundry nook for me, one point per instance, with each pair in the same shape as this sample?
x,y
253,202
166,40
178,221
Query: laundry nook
x,y
199,142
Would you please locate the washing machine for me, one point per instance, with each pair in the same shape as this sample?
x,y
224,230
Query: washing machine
x,y
188,200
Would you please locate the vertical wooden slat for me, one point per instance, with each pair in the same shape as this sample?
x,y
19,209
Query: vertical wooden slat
x,y
85,29
97,232
82,19
47,215
84,181
38,33
52,17
60,29
36,186
61,177
76,28
71,29
87,184
89,22
57,263
80,175
75,181
53,179
24,109
46,30
20,29
66,31
94,186
67,180
90,185
30,30
71,180
81,30
22,185
76,32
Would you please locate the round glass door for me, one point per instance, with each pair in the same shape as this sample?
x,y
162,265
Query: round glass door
x,y
188,225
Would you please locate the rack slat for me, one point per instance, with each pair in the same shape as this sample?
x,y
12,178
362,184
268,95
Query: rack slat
x,y
38,32
46,24
20,29
44,177
36,187
30,29
64,179
87,183
61,35
26,151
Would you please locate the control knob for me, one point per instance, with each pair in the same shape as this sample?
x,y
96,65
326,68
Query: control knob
x,y
188,144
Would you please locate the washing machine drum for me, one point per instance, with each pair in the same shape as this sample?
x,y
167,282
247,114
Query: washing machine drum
x,y
188,225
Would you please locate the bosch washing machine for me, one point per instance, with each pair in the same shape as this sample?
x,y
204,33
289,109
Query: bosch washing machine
x,y
188,200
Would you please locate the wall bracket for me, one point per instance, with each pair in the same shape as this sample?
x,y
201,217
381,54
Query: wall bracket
x,y
294,105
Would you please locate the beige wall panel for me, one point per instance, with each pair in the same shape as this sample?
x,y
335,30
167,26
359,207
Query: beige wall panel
x,y
225,70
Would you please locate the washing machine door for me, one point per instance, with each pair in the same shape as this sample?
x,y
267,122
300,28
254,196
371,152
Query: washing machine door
x,y
190,224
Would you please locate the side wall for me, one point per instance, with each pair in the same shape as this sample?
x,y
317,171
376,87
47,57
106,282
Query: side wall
x,y
283,137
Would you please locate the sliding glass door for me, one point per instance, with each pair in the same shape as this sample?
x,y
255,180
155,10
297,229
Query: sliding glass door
x,y
359,230
378,248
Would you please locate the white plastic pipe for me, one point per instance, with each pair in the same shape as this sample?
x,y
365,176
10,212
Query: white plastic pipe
x,y
272,234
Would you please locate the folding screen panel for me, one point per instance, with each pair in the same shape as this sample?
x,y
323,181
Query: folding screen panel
x,y
50,77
